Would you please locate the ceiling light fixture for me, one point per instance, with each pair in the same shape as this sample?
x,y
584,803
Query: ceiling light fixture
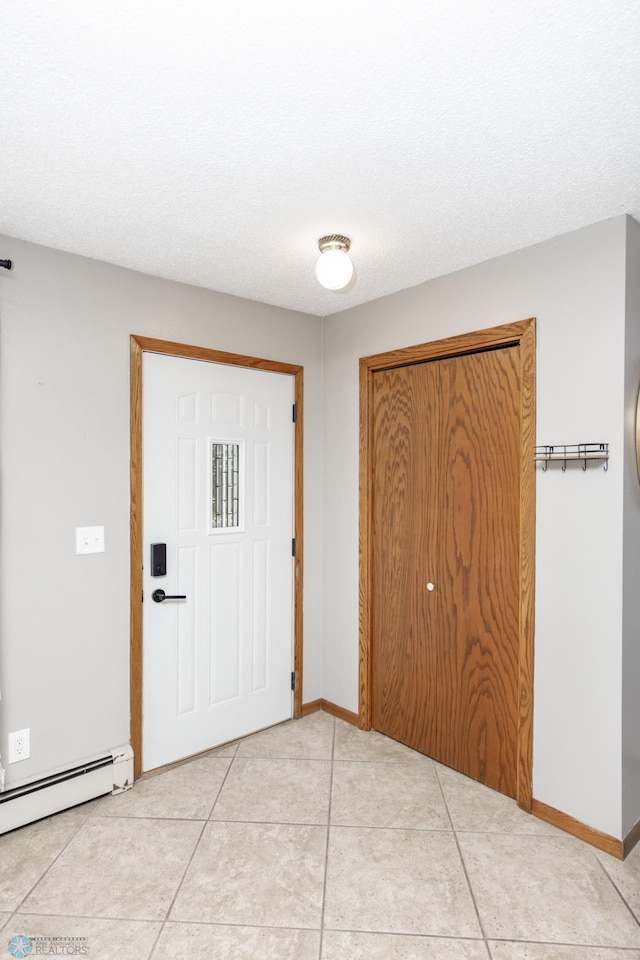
x,y
334,268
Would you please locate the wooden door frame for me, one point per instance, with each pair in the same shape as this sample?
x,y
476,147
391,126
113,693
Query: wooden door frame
x,y
140,345
521,334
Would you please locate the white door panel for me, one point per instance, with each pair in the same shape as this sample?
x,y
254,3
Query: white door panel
x,y
216,665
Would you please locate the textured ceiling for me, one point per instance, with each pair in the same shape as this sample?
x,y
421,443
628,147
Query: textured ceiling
x,y
214,142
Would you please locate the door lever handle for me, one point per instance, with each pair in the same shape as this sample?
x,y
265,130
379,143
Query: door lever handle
x,y
160,595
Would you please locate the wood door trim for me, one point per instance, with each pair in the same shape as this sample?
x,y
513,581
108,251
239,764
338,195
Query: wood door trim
x,y
522,334
140,345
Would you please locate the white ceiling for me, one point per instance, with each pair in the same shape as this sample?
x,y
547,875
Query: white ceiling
x,y
214,142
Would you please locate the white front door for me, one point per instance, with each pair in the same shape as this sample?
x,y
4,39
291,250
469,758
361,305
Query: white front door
x,y
218,491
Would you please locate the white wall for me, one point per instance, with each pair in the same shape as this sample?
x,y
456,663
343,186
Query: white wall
x,y
65,323
574,285
631,595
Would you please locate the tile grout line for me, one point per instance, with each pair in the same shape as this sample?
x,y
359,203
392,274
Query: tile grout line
x,y
419,937
190,861
563,943
464,866
80,826
617,890
163,923
118,919
219,791
5,926
326,849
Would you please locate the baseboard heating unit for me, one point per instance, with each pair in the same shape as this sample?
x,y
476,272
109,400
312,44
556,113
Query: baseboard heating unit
x,y
110,772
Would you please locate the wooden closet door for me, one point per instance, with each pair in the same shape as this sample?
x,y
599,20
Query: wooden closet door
x,y
446,513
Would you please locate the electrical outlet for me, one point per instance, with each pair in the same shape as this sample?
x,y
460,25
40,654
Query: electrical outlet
x,y
19,746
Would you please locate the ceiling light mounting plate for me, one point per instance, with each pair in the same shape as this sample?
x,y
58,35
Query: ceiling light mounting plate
x,y
334,241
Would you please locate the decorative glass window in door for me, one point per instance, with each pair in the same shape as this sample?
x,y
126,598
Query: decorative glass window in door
x,y
227,462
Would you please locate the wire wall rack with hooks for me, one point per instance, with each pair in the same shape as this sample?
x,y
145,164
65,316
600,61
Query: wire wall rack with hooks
x,y
565,452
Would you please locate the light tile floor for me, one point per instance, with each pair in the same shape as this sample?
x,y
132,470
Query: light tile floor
x,y
316,841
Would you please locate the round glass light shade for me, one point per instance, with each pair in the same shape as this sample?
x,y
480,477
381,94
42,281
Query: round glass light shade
x,y
334,269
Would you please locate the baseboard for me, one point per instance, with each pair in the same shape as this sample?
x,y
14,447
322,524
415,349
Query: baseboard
x,y
312,707
603,841
339,712
631,839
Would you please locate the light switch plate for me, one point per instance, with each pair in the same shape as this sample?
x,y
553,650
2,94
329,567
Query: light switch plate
x,y
89,540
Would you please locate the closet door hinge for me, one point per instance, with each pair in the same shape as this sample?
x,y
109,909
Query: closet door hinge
x,y
293,680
